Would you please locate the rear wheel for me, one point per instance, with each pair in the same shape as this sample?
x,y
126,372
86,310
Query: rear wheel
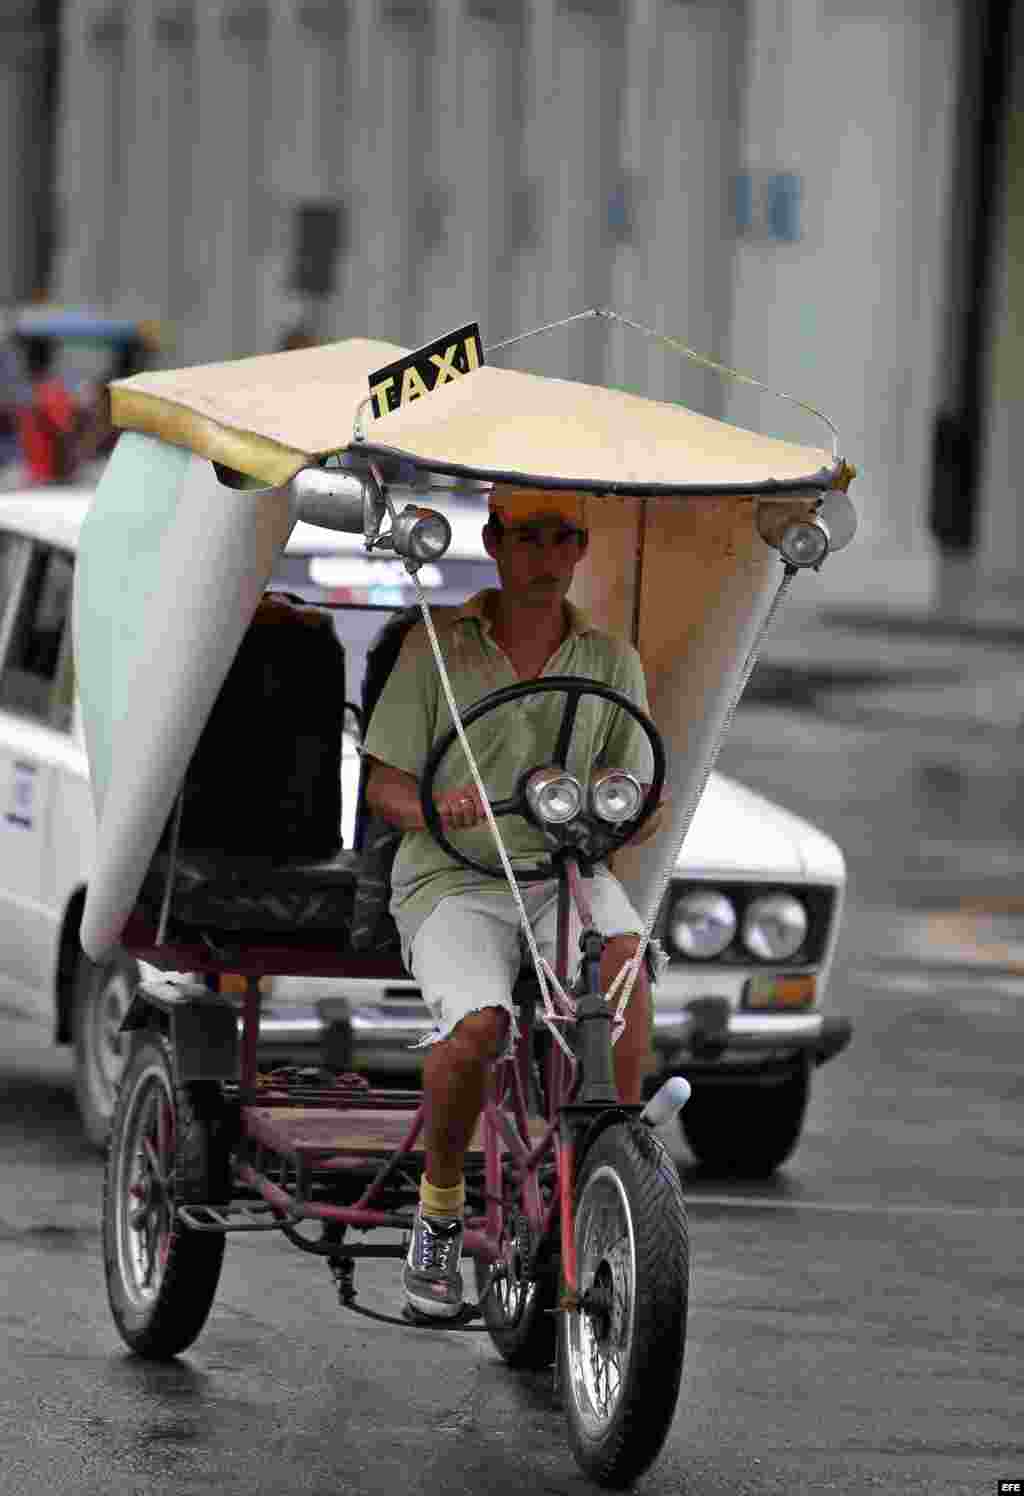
x,y
747,1130
169,1146
622,1352
102,992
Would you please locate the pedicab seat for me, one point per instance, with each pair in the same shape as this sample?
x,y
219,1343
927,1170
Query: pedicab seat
x,y
305,889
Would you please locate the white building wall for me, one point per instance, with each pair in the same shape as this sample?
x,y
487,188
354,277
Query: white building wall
x,y
520,160
859,99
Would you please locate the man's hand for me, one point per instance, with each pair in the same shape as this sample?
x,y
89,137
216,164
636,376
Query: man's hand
x,y
395,796
652,826
460,808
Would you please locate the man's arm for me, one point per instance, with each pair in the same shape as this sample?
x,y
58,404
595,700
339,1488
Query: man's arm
x,y
395,797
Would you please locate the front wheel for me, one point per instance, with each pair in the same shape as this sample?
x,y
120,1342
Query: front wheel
x,y
621,1352
169,1145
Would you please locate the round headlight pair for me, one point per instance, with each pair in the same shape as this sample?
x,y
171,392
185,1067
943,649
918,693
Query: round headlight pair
x,y
556,797
702,924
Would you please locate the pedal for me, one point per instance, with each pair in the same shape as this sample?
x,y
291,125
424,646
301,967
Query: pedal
x,y
235,1217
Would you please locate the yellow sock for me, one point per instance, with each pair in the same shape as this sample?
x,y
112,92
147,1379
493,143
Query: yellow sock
x,y
442,1202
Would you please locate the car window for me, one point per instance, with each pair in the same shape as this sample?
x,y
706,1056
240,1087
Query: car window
x,y
37,679
12,554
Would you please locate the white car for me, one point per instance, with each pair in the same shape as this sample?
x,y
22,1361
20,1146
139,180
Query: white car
x,y
749,923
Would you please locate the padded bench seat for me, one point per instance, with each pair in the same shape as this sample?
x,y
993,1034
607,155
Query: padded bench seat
x,y
258,897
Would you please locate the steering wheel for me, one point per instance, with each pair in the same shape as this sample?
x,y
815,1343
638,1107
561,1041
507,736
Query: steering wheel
x,y
573,687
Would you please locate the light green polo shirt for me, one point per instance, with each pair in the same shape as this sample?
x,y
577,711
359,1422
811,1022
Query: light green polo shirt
x,y
412,714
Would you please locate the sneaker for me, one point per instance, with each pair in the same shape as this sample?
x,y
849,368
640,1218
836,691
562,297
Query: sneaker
x,y
431,1277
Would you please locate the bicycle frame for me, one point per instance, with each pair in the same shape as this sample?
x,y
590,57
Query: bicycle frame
x,y
575,1093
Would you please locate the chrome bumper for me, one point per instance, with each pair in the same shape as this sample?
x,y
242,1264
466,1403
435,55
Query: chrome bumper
x,y
384,1032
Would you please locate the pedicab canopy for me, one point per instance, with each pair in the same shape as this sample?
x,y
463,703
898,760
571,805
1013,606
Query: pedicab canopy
x,y
197,503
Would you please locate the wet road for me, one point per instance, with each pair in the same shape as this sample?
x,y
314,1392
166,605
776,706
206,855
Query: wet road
x,y
855,1325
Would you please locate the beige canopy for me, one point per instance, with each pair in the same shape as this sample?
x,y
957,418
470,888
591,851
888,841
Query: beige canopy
x,y
270,415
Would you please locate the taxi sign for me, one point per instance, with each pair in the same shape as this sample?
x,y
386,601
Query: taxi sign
x,y
425,369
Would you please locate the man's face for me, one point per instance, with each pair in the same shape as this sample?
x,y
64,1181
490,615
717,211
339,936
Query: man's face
x,y
536,558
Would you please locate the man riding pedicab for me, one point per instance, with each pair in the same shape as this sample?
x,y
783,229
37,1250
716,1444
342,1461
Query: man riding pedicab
x,y
460,929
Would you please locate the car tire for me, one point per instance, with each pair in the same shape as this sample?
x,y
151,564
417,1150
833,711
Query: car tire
x,y
748,1130
100,998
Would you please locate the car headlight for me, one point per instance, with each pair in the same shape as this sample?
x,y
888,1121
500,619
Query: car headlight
x,y
615,796
702,923
554,796
774,927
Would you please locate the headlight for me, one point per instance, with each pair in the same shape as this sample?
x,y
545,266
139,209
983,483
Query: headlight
x,y
420,534
615,796
804,543
554,796
701,924
774,927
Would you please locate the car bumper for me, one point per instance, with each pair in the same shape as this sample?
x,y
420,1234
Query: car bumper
x,y
382,1031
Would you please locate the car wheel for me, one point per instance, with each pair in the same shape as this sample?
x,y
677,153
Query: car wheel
x,y
747,1129
102,993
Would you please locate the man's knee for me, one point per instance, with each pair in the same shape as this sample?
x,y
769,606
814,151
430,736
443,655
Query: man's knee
x,y
618,949
484,1033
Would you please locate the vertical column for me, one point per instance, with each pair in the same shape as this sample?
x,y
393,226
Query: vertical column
x,y
394,44
674,266
159,137
230,228
314,105
477,174
634,199
23,156
574,150
92,147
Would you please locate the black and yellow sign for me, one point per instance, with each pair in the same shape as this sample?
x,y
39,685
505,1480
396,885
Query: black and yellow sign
x,y
426,369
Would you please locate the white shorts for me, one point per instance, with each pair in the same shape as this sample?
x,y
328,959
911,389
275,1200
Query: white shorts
x,y
467,953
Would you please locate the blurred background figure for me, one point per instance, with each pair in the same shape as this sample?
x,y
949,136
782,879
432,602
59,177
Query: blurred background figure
x,y
10,394
97,433
48,419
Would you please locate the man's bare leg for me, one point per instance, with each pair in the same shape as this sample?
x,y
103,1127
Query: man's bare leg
x,y
455,1075
631,1058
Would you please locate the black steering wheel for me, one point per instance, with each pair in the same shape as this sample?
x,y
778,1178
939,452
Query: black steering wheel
x,y
573,687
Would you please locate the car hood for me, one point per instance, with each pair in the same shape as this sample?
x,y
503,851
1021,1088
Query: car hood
x,y
738,833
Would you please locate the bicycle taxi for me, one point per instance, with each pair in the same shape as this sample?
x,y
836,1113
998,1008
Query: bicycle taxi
x,y
575,1219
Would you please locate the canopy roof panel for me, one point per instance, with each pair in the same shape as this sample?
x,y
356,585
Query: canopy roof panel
x,y
270,415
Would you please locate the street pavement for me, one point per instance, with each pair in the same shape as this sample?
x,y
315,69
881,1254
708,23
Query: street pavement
x,y
957,690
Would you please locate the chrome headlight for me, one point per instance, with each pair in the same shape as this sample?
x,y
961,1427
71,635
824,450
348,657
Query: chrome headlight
x,y
774,927
804,543
419,534
702,924
554,796
615,796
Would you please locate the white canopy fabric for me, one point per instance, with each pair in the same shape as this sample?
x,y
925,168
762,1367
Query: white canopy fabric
x,y
271,415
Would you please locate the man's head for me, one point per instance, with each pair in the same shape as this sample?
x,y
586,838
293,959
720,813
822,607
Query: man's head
x,y
535,538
